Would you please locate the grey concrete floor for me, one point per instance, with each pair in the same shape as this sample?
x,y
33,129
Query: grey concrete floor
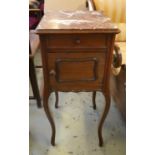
x,y
76,126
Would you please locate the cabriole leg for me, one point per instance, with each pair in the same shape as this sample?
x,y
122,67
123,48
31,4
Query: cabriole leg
x,y
56,99
104,114
49,116
94,102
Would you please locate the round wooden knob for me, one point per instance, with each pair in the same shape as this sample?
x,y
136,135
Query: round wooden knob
x,y
52,72
77,41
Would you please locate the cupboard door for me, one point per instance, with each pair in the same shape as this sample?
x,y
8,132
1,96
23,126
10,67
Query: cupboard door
x,y
76,71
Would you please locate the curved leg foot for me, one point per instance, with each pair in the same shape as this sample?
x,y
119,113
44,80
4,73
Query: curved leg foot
x,y
104,114
94,97
56,99
49,116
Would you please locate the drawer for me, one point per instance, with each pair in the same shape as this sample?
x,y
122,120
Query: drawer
x,y
76,71
76,41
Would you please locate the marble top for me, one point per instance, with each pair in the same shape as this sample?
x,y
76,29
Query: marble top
x,y
75,21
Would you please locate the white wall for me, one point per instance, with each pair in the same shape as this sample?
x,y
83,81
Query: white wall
x,y
64,5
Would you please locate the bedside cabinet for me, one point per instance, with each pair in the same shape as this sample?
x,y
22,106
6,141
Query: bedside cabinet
x,y
76,52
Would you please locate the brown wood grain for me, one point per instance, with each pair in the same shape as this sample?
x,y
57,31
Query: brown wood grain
x,y
76,41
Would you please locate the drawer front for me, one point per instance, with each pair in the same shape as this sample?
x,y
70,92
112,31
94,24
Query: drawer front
x,y
76,41
76,71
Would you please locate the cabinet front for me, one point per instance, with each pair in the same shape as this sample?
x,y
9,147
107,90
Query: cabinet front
x,y
76,70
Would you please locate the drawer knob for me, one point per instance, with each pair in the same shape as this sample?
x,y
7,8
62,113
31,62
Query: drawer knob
x,y
52,72
77,41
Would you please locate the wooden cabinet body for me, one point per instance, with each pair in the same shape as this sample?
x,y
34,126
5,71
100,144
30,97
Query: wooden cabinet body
x,y
77,62
76,52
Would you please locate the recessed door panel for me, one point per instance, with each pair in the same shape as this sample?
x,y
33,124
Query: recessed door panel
x,y
76,69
